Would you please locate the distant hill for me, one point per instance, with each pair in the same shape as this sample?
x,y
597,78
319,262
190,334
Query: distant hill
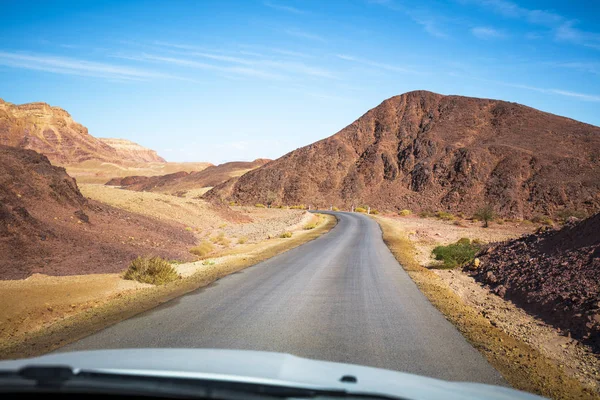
x,y
426,151
183,182
47,226
52,132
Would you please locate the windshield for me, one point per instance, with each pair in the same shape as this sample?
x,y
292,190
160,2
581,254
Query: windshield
x,y
305,193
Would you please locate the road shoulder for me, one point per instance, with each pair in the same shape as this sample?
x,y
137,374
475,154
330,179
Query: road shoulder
x,y
523,366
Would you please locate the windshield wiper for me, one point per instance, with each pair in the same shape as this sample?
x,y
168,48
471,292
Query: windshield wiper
x,y
65,379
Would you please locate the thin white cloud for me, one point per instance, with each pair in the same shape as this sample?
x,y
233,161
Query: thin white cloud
x,y
72,66
281,7
484,32
304,35
581,96
387,67
430,26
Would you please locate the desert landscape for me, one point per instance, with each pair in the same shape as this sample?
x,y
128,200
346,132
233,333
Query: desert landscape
x,y
483,211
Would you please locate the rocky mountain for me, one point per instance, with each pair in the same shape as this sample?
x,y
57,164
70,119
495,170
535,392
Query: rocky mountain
x,y
554,274
128,150
47,226
426,151
182,182
52,132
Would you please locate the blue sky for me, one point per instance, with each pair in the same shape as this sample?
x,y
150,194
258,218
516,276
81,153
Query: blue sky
x,y
237,80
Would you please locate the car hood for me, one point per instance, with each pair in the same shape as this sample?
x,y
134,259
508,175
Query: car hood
x,y
267,368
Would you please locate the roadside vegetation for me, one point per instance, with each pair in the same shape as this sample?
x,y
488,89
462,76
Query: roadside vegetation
x,y
485,214
202,249
457,254
286,235
152,270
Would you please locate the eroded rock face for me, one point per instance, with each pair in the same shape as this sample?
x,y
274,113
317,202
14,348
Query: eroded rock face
x,y
129,150
52,132
425,151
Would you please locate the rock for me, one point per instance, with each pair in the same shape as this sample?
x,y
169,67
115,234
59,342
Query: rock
x,y
500,291
490,277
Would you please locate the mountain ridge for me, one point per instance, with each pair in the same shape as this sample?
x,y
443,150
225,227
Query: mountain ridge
x,y
427,151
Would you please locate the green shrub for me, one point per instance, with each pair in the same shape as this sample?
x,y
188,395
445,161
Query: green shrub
x,y
542,219
334,208
485,214
360,210
404,213
232,203
202,249
456,254
242,240
153,270
310,226
443,215
259,205
563,215
286,235
208,262
375,212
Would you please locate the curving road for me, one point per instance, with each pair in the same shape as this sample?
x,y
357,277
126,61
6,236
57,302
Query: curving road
x,y
342,297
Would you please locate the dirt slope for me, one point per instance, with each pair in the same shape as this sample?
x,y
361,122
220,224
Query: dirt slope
x,y
181,182
47,226
426,151
52,132
553,274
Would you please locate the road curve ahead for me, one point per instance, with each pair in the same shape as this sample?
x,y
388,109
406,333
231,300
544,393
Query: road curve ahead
x,y
342,297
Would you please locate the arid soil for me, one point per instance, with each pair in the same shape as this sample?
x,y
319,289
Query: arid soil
x,y
183,183
571,355
52,132
47,226
553,274
204,219
426,151
94,171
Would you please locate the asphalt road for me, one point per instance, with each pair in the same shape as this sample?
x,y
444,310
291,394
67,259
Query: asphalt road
x,y
342,297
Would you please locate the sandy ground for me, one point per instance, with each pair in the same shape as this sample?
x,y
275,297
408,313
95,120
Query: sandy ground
x,y
198,215
101,172
426,233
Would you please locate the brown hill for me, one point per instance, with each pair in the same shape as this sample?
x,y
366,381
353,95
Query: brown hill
x,y
426,151
52,132
181,182
553,274
47,226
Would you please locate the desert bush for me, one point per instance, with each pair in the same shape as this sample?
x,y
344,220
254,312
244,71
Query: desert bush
x,y
565,214
500,221
485,214
443,215
153,270
404,213
375,212
286,235
298,207
456,254
242,240
426,214
202,249
220,239
208,262
259,205
188,228
334,208
542,219
310,226
360,210
232,203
